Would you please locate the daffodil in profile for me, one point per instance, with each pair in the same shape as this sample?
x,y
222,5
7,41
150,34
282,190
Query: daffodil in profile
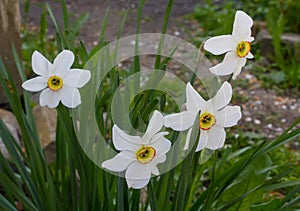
x,y
57,81
139,156
215,115
237,46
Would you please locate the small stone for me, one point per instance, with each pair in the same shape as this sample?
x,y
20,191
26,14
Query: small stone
x,y
269,125
45,119
283,120
248,76
176,33
248,119
258,102
133,43
257,122
11,123
284,107
288,39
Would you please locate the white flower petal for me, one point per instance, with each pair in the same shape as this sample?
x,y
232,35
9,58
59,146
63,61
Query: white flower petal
x,y
137,184
138,175
241,63
216,138
154,169
229,116
77,77
40,65
194,101
120,162
249,39
180,121
35,84
123,141
162,146
242,25
249,56
49,98
63,62
156,137
69,96
220,44
187,140
202,140
155,124
159,159
227,66
223,96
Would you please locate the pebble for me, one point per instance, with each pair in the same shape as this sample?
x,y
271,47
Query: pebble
x,y
284,107
258,102
248,76
248,119
283,120
257,122
133,43
176,33
10,121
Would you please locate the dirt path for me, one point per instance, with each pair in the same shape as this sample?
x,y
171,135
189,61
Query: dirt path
x,y
153,13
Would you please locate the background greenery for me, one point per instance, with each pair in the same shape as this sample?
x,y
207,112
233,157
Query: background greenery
x,y
280,17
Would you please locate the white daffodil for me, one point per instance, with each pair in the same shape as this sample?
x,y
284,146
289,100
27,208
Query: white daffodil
x,y
237,46
57,80
214,116
139,156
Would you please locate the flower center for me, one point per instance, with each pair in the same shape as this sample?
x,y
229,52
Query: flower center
x,y
55,83
243,49
207,120
145,154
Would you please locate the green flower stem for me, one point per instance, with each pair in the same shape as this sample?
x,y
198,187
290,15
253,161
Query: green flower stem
x,y
151,196
122,195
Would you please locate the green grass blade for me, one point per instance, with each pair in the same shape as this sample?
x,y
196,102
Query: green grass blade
x,y
61,42
65,14
5,204
151,197
163,31
17,192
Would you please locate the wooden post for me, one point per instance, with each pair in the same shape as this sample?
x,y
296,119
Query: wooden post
x,y
10,22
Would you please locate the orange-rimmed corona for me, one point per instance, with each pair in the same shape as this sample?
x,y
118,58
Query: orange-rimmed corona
x,y
207,120
55,83
243,49
145,154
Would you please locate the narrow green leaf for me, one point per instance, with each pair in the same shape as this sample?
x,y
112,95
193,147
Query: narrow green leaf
x,y
151,196
17,191
5,204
